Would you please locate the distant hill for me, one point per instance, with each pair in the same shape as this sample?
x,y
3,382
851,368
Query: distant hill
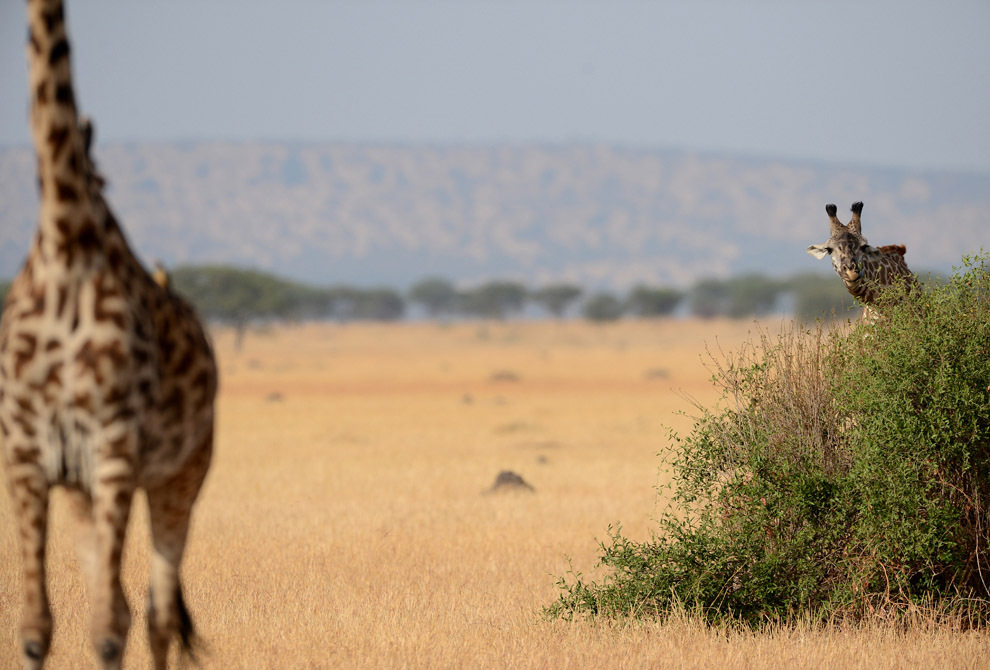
x,y
592,214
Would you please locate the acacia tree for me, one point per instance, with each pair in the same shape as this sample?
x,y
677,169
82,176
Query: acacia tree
x,y
437,295
378,304
603,307
818,296
653,301
494,300
556,298
708,298
752,295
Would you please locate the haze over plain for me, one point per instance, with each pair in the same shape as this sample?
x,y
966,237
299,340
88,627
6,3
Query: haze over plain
x,y
880,101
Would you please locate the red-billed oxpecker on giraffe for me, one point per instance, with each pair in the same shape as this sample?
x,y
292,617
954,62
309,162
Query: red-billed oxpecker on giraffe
x,y
865,270
107,382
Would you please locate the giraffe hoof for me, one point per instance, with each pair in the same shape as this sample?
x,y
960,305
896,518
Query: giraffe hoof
x,y
109,651
34,650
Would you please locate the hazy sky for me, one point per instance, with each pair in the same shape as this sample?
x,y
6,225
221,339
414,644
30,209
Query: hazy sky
x,y
904,84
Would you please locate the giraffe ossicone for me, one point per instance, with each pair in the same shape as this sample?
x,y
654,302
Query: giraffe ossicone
x,y
864,269
107,382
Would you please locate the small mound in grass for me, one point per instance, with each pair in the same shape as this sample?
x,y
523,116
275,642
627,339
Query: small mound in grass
x,y
509,481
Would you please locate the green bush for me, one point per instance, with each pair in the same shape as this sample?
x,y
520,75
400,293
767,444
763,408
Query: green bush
x,y
845,474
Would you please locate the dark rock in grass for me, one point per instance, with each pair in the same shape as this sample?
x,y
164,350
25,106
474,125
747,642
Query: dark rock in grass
x,y
510,481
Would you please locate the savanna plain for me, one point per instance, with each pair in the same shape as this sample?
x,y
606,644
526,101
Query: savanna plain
x,y
347,521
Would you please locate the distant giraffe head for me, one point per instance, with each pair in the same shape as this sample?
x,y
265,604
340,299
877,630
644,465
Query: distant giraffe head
x,y
864,269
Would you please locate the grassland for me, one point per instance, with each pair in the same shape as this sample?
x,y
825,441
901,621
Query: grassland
x,y
345,525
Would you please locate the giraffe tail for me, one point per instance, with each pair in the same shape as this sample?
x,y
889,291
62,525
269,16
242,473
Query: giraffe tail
x,y
190,642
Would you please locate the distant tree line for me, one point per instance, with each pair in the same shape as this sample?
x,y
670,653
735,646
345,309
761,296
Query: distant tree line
x,y
240,296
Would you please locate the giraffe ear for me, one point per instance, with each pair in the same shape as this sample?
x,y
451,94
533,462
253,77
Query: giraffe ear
x,y
819,251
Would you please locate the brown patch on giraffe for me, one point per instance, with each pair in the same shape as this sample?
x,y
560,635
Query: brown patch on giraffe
x,y
121,497
26,424
82,402
201,383
115,261
60,50
64,95
115,394
171,406
185,363
91,355
74,162
24,455
105,290
66,192
55,17
26,355
115,480
37,307
58,135
141,355
898,249
122,414
88,238
177,443
65,248
26,405
53,375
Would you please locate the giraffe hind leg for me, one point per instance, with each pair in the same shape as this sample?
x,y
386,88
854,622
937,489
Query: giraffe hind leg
x,y
167,612
29,490
169,509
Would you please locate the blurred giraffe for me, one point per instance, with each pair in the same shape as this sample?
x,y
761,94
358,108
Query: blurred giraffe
x,y
107,381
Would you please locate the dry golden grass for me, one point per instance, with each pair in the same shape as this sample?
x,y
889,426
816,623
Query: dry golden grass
x,y
343,524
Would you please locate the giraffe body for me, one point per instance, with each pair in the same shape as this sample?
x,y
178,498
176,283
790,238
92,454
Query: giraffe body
x,y
865,270
107,381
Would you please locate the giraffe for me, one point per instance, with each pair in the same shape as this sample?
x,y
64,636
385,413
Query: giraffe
x,y
107,382
865,270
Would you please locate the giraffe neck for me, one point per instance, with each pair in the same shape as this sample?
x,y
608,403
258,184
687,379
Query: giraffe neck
x,y
70,220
